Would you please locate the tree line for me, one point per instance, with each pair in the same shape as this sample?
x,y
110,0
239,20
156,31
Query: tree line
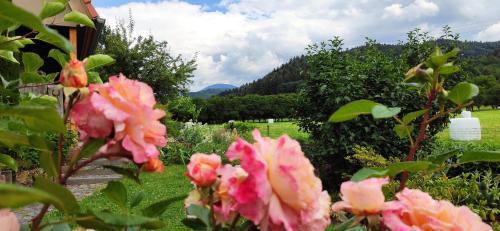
x,y
246,108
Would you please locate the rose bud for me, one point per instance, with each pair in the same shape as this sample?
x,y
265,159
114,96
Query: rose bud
x,y
154,165
73,74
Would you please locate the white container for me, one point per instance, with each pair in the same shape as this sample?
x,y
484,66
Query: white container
x,y
466,128
270,121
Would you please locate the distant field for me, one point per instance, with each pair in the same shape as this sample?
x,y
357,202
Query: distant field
x,y
490,127
279,128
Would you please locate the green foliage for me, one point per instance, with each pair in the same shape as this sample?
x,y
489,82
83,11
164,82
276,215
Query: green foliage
x,y
248,107
147,60
183,109
240,127
79,18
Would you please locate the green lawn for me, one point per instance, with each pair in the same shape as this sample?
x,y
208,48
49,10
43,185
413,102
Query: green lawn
x,y
490,128
279,128
156,187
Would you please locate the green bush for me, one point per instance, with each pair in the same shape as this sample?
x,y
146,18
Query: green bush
x,y
337,77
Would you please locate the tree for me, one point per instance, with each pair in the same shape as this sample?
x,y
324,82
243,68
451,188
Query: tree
x,y
183,109
147,60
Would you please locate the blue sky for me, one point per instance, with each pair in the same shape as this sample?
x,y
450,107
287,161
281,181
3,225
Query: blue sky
x,y
238,41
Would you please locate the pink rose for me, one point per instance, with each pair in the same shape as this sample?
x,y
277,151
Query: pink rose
x,y
129,104
90,122
231,178
281,190
416,210
362,198
74,74
8,221
202,169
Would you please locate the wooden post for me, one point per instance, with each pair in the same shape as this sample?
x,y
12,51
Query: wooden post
x,y
73,39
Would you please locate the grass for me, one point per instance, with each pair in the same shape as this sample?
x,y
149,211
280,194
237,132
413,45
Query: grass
x,y
490,128
157,187
279,128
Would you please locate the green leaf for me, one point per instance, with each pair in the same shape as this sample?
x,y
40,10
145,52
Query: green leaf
x,y
117,192
448,69
453,53
479,156
462,93
126,172
196,224
49,163
366,173
402,130
408,118
8,55
90,148
441,158
15,196
380,111
201,213
70,205
14,14
8,161
357,228
98,60
51,36
94,77
352,110
124,219
58,227
158,208
79,18
51,9
137,199
10,139
343,226
31,77
437,59
410,166
94,223
60,57
36,118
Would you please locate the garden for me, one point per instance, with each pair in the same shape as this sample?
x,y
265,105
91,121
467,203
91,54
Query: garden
x,y
362,145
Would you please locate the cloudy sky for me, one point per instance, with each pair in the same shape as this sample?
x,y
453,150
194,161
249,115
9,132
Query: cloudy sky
x,y
236,42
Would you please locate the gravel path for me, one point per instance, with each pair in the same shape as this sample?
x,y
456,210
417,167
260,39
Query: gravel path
x,y
80,191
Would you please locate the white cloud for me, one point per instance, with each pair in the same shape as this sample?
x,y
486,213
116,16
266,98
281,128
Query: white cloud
x,y
492,33
416,9
248,38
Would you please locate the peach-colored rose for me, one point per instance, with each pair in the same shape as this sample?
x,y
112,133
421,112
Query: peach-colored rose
x,y
89,121
202,169
8,221
362,198
231,178
154,165
130,105
281,190
74,74
416,210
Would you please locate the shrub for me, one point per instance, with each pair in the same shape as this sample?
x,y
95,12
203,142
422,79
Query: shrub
x,y
240,127
336,77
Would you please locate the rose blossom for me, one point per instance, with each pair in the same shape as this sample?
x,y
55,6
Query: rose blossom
x,y
416,210
8,221
154,165
90,122
231,178
202,169
362,198
129,104
281,190
73,74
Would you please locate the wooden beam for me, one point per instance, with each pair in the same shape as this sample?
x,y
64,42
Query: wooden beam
x,y
74,41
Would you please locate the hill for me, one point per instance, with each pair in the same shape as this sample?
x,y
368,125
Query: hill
x,y
211,90
288,77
